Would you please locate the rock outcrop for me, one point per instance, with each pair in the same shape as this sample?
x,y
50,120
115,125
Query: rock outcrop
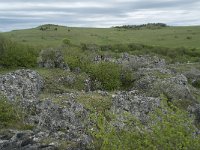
x,y
22,140
193,76
21,84
131,102
54,124
176,87
136,62
65,121
68,118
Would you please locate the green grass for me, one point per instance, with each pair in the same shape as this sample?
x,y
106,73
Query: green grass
x,y
168,128
95,102
12,116
171,37
56,80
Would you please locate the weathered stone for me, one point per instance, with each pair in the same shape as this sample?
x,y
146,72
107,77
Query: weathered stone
x,y
21,84
136,62
174,88
23,140
64,121
138,106
193,76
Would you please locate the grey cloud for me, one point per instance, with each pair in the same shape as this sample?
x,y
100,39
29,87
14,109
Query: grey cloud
x,y
146,4
97,13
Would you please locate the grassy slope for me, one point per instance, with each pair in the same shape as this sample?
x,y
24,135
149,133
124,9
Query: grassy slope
x,y
167,37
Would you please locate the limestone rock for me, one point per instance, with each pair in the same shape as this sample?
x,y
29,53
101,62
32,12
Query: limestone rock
x,y
21,84
138,106
64,121
135,62
193,76
174,88
22,140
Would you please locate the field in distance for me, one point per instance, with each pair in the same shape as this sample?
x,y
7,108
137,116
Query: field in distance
x,y
53,35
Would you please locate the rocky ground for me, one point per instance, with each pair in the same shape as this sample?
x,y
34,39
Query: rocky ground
x,y
61,120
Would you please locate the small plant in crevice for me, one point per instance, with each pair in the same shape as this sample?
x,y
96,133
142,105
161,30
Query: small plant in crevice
x,y
12,116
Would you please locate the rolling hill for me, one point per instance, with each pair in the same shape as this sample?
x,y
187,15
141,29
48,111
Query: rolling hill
x,y
171,37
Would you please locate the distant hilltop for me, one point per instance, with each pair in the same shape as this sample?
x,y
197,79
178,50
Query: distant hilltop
x,y
46,27
142,26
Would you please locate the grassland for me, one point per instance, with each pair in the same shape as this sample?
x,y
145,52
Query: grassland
x,y
171,37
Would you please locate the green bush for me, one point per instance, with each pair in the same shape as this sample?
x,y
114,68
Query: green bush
x,y
16,55
76,57
196,84
127,78
168,128
66,41
182,54
73,61
107,73
49,54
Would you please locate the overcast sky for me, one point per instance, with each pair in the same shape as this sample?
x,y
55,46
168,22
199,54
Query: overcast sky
x,y
17,14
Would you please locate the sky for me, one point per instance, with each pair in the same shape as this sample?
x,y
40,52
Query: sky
x,y
20,14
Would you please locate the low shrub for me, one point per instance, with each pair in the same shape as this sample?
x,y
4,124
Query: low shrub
x,y
76,57
196,83
107,73
182,54
16,55
66,41
173,129
127,78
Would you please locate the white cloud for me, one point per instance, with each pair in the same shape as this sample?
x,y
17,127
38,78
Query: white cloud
x,y
16,14
36,5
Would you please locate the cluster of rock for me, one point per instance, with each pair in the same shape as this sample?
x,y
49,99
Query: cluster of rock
x,y
174,88
136,62
63,121
154,78
133,62
52,123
